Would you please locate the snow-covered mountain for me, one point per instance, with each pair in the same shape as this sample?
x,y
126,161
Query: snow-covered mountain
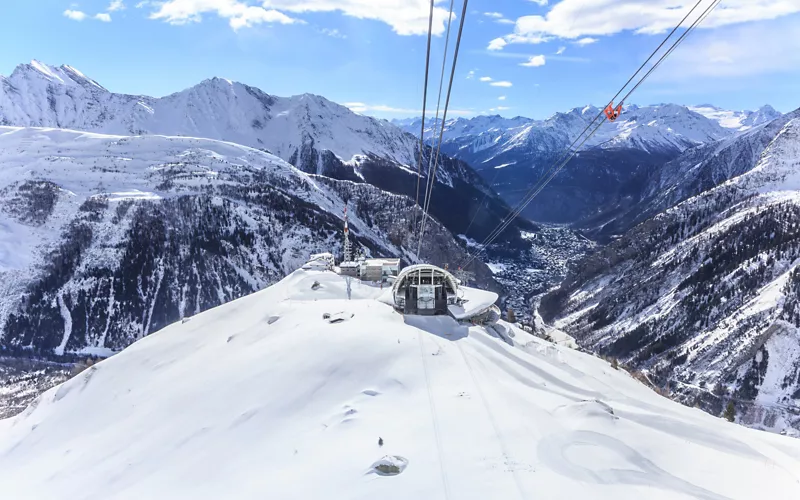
x,y
308,131
264,398
104,239
693,172
737,120
38,95
704,296
512,154
663,127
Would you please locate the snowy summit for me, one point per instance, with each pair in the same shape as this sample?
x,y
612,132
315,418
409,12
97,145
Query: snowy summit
x,y
264,397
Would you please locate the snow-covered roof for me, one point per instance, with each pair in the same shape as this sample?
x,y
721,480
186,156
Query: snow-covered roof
x,y
349,264
473,302
404,274
382,262
315,264
323,255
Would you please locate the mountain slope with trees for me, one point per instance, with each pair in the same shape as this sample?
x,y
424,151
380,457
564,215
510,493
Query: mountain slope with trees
x,y
703,297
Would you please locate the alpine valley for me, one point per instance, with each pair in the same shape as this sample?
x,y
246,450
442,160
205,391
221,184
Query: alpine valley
x,y
670,242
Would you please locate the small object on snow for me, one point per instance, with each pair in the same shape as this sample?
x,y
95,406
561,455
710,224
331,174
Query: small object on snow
x,y
390,465
315,285
185,320
337,317
380,441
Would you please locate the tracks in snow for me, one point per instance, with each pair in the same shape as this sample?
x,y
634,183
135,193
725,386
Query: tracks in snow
x,y
492,420
434,417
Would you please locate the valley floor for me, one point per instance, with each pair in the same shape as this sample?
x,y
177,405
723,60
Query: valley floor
x,y
265,398
22,380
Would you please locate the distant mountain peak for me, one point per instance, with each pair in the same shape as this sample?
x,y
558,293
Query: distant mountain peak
x,y
64,75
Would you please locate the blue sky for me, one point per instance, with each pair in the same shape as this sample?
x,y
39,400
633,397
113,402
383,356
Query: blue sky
x,y
370,53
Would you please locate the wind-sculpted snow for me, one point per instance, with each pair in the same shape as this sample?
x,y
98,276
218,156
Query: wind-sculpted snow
x,y
704,296
263,398
104,239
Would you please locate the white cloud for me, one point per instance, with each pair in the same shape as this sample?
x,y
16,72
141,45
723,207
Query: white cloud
x,y
560,50
535,62
498,18
584,19
358,107
143,3
500,43
334,33
239,15
406,17
523,55
116,5
485,78
497,44
577,18
586,41
730,55
501,98
103,16
75,15
499,108
501,84
471,74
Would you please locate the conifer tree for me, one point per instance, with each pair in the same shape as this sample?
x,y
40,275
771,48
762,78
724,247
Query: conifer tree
x,y
730,411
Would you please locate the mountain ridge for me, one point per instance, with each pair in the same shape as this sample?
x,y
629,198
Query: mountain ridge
x,y
609,171
704,294
310,132
108,238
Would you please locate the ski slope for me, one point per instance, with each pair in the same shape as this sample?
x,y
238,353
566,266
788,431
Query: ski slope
x,y
263,398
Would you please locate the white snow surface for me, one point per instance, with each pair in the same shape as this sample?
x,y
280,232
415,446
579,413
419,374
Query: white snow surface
x,y
737,120
474,302
262,398
39,95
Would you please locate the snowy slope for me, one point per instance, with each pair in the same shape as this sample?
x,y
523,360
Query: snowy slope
x,y
262,398
737,120
310,132
104,239
705,294
45,96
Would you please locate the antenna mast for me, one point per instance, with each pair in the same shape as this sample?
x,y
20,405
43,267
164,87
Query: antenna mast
x,y
348,250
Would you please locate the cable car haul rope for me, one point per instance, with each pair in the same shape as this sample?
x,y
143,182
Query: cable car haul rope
x,y
611,114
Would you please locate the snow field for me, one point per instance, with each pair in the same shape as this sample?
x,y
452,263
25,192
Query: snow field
x,y
262,398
